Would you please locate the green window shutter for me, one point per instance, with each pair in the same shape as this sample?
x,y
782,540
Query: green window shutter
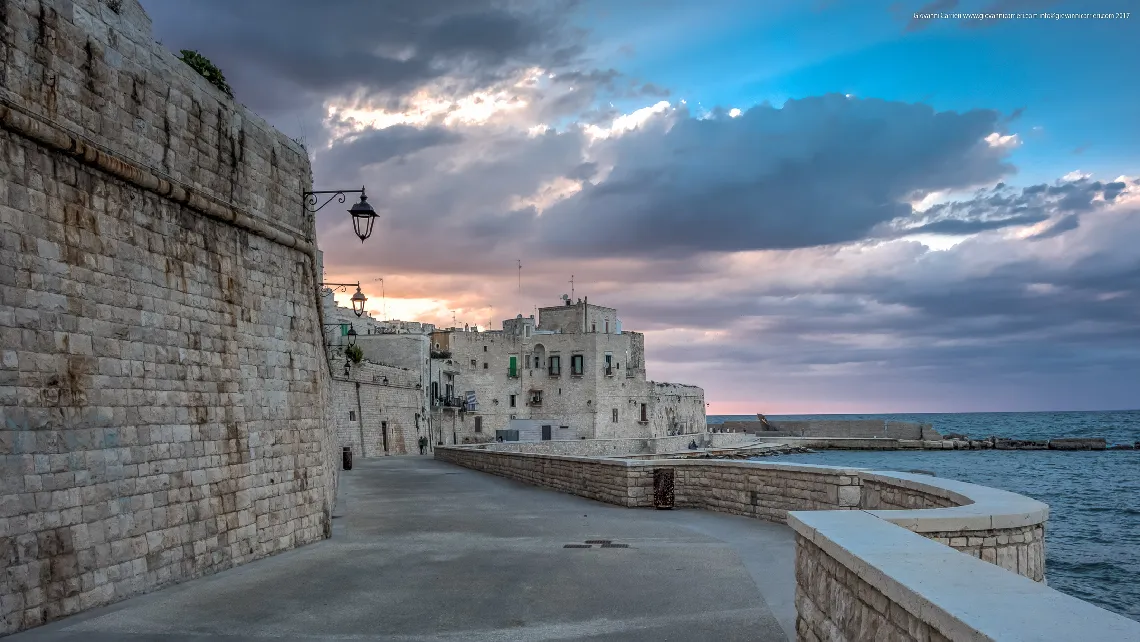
x,y
344,329
513,368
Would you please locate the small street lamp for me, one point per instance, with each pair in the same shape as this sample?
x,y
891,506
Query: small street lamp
x,y
358,299
363,215
351,335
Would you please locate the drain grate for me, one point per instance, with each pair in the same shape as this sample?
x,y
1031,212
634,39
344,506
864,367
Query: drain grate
x,y
577,546
599,541
615,545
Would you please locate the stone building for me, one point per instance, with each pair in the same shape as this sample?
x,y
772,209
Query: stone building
x,y
380,405
573,373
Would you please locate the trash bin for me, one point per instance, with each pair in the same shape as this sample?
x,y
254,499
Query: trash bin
x,y
347,456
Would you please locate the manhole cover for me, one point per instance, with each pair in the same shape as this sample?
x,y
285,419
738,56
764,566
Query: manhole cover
x,y
577,546
615,545
599,541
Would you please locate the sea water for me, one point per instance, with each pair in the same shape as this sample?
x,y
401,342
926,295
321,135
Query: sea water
x,y
1092,540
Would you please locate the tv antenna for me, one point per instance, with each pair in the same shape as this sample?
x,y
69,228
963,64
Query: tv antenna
x,y
520,275
383,299
571,287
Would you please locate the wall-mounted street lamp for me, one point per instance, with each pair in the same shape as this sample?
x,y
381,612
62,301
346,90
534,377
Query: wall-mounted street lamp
x,y
363,216
358,299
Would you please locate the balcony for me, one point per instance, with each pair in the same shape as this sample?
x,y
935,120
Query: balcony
x,y
451,403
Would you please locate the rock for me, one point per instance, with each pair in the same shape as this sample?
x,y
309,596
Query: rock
x,y
1121,447
1076,443
956,435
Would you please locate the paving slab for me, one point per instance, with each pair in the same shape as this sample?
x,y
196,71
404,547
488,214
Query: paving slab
x,y
425,550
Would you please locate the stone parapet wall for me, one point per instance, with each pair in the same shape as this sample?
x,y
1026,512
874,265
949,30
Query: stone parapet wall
x,y
164,392
834,603
853,428
610,481
861,573
939,509
766,493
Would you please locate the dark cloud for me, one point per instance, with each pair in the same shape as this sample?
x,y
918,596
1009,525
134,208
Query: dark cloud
x,y
817,171
381,145
1004,206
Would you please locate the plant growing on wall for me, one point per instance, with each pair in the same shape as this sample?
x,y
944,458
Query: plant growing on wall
x,y
354,353
203,66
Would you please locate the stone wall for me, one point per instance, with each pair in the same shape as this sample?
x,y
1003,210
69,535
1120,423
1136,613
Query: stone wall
x,y
163,386
942,510
600,447
859,576
611,481
834,603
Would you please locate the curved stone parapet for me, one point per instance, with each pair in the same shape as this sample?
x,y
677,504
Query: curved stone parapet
x,y
879,555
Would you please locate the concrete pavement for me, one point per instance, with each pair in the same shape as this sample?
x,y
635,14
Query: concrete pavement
x,y
423,550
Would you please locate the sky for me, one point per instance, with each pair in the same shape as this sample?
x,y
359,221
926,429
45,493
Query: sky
x,y
810,206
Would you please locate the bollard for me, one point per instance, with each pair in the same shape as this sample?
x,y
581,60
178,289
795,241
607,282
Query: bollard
x,y
347,456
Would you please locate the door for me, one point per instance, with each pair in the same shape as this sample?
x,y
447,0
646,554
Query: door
x,y
546,433
384,434
512,369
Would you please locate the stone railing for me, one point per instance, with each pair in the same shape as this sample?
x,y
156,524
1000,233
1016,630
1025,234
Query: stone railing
x,y
859,575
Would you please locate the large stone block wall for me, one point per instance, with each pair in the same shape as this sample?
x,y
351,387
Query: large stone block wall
x,y
163,388
834,603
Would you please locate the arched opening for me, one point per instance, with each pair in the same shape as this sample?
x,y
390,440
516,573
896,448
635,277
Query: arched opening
x,y
538,356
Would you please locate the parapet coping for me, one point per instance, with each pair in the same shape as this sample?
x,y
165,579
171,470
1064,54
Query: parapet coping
x,y
980,508
963,597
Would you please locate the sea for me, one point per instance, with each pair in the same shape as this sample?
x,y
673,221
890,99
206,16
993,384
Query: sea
x,y
1092,538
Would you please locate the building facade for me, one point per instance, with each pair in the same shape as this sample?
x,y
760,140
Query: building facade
x,y
571,374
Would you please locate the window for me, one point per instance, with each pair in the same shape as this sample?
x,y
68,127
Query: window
x,y
555,365
352,415
644,412
609,364
513,366
484,348
607,326
474,363
615,415
478,424
576,365
564,427
512,401
484,365
593,327
537,362
536,397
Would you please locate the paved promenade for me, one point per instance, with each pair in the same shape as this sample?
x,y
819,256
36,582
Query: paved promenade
x,y
423,550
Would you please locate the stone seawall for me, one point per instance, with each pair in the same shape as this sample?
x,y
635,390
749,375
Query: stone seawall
x,y
770,491
164,392
944,575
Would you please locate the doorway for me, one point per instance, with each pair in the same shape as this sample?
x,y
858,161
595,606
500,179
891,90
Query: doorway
x,y
546,433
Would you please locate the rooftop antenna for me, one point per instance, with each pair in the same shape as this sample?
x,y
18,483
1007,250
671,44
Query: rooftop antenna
x,y
453,322
520,275
383,299
490,316
571,286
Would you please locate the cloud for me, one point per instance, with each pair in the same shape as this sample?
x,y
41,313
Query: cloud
x,y
816,171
